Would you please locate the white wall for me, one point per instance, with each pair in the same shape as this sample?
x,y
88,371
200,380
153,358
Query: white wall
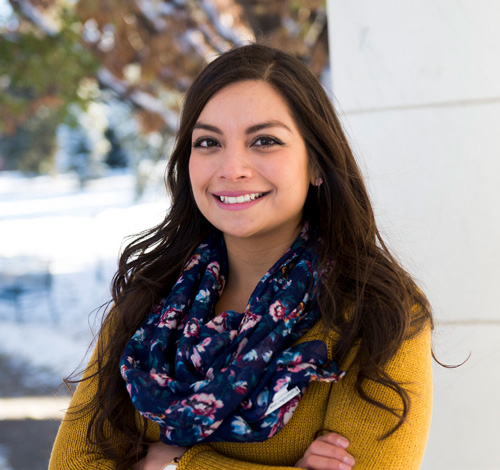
x,y
417,85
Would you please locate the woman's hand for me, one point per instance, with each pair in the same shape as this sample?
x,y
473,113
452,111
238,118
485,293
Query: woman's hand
x,y
158,456
327,452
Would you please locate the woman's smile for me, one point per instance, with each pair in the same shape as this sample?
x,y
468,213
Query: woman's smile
x,y
238,200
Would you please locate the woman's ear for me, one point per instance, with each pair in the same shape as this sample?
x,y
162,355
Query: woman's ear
x,y
315,178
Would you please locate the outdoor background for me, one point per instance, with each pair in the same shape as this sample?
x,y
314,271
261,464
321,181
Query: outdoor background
x,y
90,93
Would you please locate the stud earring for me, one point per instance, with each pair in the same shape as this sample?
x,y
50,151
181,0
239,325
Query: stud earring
x,y
318,181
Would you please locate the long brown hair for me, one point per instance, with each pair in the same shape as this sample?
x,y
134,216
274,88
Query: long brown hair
x,y
367,295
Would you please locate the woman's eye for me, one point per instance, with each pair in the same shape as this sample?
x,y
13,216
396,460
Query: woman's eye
x,y
205,143
266,142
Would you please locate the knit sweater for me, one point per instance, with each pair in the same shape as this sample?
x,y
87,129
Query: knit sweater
x,y
335,407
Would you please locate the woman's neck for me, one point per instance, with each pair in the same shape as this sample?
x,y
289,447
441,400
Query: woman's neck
x,y
248,261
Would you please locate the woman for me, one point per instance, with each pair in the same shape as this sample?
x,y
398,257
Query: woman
x,y
235,318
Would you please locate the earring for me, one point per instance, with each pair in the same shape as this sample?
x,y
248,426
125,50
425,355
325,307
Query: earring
x,y
318,181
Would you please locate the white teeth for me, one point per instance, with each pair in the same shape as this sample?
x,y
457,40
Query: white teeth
x,y
240,199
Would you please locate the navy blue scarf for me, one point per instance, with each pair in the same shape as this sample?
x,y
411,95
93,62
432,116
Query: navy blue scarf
x,y
235,377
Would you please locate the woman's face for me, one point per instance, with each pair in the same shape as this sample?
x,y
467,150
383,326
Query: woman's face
x,y
249,168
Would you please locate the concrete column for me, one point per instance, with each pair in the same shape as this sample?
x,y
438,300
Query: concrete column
x,y
417,85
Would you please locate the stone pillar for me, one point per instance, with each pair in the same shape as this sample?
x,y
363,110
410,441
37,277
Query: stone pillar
x,y
417,85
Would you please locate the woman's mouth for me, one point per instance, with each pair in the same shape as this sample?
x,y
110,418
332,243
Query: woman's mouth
x,y
240,199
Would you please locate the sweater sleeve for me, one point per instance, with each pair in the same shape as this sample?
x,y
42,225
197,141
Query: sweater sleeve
x,y
71,450
364,424
205,457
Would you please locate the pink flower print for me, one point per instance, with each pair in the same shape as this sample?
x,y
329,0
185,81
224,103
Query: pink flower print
x,y
304,233
297,359
298,367
157,308
281,383
133,365
241,346
330,378
249,321
246,404
168,319
196,358
293,363
218,323
167,431
203,404
198,350
204,344
192,328
285,413
213,268
195,259
296,311
277,310
211,429
161,379
241,387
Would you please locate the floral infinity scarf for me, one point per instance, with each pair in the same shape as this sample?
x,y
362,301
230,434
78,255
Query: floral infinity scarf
x,y
234,377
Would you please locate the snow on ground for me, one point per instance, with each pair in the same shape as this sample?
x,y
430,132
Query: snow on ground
x,y
51,224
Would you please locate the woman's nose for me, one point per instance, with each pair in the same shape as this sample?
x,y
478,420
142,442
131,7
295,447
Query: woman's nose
x,y
234,165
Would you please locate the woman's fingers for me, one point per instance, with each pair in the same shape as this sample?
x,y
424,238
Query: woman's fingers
x,y
334,439
322,463
328,452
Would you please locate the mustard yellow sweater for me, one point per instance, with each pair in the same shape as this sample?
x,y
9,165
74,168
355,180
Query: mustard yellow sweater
x,y
335,407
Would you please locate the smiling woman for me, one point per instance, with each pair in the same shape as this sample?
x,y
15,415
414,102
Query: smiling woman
x,y
266,284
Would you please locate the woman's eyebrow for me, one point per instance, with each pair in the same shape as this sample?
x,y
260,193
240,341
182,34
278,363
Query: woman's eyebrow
x,y
207,127
250,130
265,125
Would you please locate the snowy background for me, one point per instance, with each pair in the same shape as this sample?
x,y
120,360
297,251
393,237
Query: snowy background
x,y
51,225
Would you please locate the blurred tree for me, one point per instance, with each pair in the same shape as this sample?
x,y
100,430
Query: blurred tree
x,y
41,67
144,52
80,157
151,50
32,146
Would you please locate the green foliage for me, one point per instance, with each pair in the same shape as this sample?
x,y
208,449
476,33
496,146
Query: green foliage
x,y
31,149
37,66
40,77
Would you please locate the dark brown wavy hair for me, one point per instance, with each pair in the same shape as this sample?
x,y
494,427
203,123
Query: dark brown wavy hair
x,y
367,295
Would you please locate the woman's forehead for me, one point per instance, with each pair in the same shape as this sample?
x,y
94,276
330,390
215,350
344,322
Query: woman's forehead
x,y
248,102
